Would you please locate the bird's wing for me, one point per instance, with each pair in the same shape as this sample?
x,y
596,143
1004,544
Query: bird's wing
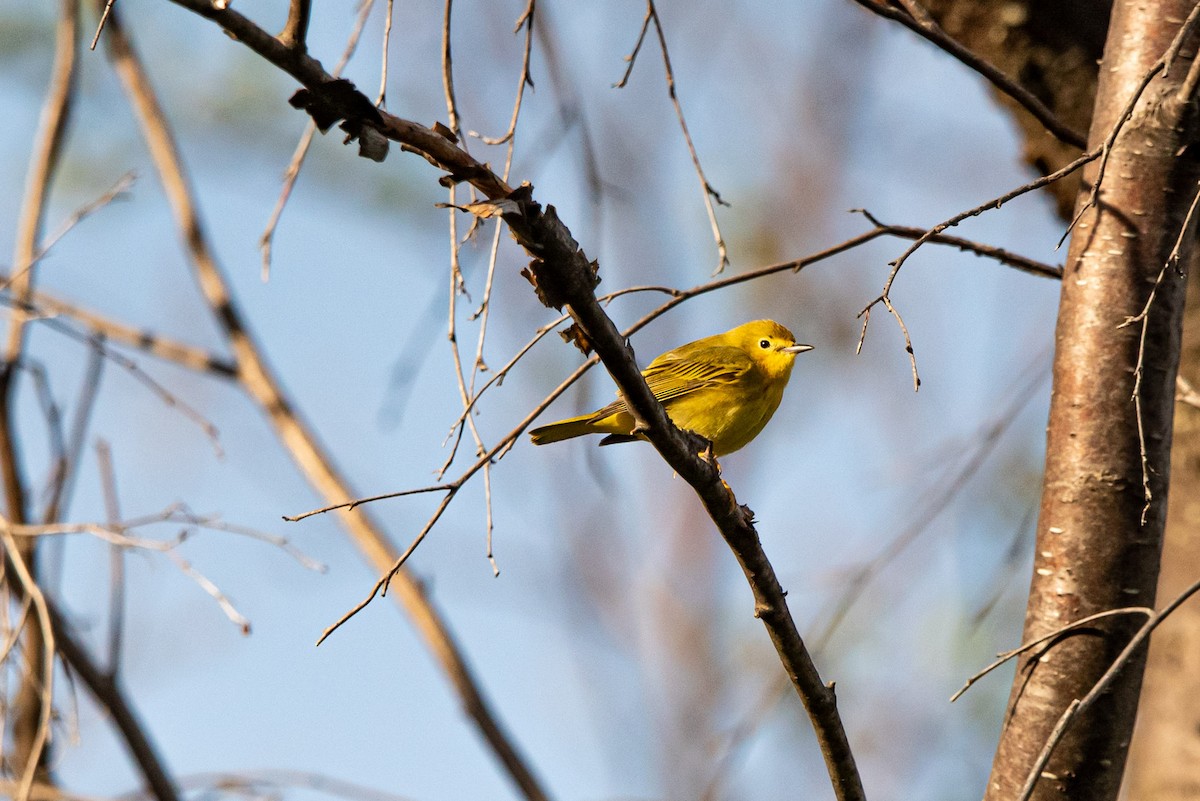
x,y
678,373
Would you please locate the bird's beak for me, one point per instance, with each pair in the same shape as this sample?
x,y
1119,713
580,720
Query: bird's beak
x,y
796,348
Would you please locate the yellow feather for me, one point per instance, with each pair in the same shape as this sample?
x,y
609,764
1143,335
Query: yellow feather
x,y
724,388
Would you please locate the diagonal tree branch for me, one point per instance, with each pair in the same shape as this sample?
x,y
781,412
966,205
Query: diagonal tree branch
x,y
563,276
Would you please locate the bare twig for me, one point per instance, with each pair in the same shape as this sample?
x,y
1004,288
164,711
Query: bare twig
x,y
1106,148
1079,706
524,21
108,4
1054,635
86,210
109,694
127,364
62,480
995,203
1187,89
298,155
916,19
47,308
116,558
1159,66
381,98
30,706
709,193
1172,263
44,663
1006,257
448,75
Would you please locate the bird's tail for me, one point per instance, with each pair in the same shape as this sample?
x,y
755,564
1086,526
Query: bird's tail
x,y
564,429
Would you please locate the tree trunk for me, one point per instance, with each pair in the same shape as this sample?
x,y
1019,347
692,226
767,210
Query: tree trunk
x,y
1097,549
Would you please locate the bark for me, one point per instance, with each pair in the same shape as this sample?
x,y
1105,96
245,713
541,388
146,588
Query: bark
x,y
1094,552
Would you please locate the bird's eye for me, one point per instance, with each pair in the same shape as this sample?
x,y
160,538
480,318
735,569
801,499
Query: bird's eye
x,y
764,343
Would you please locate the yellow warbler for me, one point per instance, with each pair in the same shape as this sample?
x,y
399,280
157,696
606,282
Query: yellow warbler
x,y
724,388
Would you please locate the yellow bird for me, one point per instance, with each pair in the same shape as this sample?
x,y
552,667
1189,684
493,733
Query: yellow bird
x,y
724,388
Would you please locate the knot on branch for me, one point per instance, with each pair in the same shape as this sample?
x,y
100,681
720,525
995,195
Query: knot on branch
x,y
560,271
338,99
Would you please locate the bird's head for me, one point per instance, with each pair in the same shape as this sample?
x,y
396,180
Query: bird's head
x,y
770,345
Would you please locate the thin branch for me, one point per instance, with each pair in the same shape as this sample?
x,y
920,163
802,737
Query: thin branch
x,y
116,532
43,663
1004,657
396,569
1106,148
52,130
57,443
171,400
709,193
271,784
1159,66
83,212
916,19
46,308
62,482
381,98
116,558
524,21
448,76
108,4
109,694
1006,257
482,314
1171,263
1187,89
298,155
1079,706
31,705
995,203
295,30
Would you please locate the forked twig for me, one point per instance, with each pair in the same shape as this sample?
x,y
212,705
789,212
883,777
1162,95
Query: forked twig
x,y
45,659
995,203
1161,65
1172,263
1078,706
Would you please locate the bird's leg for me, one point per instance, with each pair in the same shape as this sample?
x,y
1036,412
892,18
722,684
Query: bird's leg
x,y
707,455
